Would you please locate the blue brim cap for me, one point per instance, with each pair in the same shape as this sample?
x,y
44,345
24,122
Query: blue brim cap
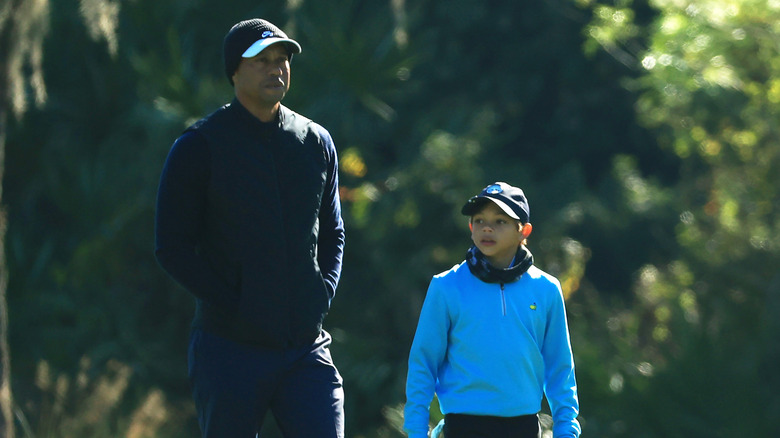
x,y
511,200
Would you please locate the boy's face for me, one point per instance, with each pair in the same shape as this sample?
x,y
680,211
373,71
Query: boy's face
x,y
496,235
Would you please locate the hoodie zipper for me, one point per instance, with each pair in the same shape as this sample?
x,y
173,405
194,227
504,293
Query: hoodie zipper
x,y
503,301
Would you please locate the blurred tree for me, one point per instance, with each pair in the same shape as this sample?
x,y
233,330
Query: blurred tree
x,y
708,90
23,27
85,289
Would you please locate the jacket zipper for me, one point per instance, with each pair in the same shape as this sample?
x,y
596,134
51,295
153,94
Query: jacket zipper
x,y
503,301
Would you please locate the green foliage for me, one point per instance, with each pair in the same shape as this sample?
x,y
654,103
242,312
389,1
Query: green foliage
x,y
98,403
707,90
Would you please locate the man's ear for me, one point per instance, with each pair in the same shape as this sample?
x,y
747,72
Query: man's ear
x,y
526,229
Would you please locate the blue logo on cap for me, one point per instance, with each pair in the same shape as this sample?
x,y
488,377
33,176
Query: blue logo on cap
x,y
494,189
267,34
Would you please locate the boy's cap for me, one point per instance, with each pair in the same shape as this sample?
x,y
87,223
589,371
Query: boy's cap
x,y
248,38
510,199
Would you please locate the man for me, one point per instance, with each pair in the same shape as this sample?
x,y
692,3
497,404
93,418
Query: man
x,y
249,221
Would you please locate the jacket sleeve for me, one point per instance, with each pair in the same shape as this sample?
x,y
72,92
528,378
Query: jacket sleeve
x,y
560,383
180,219
428,351
330,243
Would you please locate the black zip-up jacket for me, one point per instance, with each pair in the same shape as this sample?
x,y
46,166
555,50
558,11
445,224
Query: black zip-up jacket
x,y
248,220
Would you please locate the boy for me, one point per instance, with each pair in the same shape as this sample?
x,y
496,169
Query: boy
x,y
492,338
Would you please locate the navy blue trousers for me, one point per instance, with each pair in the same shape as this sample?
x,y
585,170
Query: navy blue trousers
x,y
235,385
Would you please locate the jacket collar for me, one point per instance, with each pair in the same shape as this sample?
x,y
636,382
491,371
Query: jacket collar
x,y
240,110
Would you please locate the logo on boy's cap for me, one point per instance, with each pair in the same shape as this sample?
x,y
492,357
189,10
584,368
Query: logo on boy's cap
x,y
493,189
511,200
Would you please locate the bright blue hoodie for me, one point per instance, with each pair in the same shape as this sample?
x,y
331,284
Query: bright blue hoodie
x,y
492,349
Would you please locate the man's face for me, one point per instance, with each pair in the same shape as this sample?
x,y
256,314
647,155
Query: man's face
x,y
264,79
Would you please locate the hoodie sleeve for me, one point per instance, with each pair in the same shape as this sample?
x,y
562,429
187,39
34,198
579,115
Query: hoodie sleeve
x,y
330,244
426,355
179,222
560,383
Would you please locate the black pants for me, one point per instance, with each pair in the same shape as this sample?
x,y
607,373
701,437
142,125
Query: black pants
x,y
485,426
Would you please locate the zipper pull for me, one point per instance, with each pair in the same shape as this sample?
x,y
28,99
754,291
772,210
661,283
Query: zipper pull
x,y
503,300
